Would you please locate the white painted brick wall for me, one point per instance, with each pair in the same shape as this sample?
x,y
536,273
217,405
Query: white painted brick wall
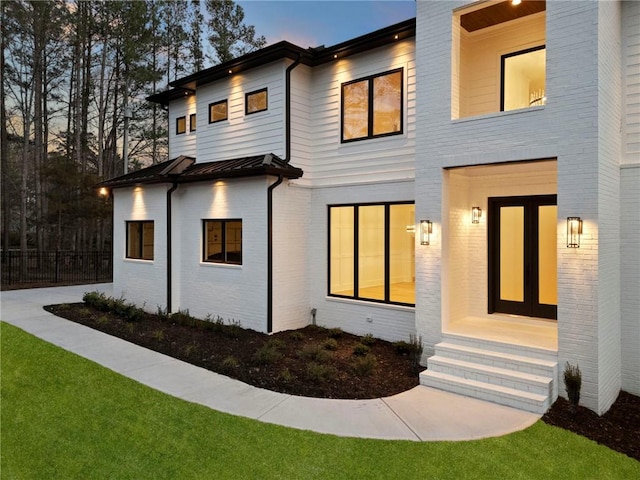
x,y
143,282
569,128
234,292
631,82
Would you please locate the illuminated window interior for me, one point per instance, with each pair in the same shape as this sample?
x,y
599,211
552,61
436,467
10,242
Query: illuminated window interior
x,y
192,122
256,101
218,111
181,125
372,252
223,241
372,106
523,79
140,240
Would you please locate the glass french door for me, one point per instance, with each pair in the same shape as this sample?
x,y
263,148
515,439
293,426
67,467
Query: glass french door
x,y
523,255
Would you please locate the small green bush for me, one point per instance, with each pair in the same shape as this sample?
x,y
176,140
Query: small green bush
x,y
183,317
190,349
314,353
335,332
364,366
297,336
276,343
163,314
267,354
361,350
102,320
368,339
317,372
97,300
229,363
233,329
285,375
573,383
413,348
330,344
158,335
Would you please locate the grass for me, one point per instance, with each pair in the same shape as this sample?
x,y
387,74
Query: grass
x,y
65,417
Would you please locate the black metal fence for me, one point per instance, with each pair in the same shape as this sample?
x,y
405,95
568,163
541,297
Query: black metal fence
x,y
24,269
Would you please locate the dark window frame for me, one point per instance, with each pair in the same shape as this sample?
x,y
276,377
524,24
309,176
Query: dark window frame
x,y
502,72
356,256
226,117
184,130
529,306
370,79
140,253
192,122
225,260
255,92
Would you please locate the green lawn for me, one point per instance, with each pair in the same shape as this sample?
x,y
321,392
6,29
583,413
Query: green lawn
x,y
65,417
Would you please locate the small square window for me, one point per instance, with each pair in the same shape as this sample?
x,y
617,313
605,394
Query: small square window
x,y
181,125
255,102
222,241
140,240
192,122
218,111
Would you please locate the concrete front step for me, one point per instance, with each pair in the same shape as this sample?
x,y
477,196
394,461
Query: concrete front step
x,y
500,347
539,384
534,366
531,402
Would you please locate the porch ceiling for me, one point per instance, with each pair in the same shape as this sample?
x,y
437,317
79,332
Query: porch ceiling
x,y
499,13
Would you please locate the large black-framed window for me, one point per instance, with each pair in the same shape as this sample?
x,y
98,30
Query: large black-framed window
x,y
523,79
218,111
256,101
222,241
140,239
372,106
372,252
522,255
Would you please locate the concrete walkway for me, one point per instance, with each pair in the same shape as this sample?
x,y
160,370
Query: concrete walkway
x,y
420,414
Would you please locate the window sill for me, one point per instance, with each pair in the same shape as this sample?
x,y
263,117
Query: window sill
x,y
386,306
233,266
486,116
139,260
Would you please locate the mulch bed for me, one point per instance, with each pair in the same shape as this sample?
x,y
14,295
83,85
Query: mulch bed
x,y
311,362
318,362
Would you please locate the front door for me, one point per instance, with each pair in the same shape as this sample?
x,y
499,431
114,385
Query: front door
x,y
523,255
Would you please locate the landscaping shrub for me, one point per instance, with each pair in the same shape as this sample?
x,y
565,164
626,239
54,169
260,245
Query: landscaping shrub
x,y
297,336
229,363
361,350
285,375
233,329
183,317
335,332
573,383
314,353
317,372
364,366
267,354
413,348
330,344
158,335
368,339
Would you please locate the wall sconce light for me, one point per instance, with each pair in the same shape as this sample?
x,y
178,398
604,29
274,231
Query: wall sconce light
x,y
426,229
103,192
476,213
574,230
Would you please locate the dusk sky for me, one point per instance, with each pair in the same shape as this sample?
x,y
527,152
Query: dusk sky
x,y
311,23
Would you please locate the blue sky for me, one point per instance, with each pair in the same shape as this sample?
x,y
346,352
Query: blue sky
x,y
310,23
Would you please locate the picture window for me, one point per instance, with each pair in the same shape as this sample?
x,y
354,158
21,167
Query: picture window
x,y
256,101
140,240
222,241
218,111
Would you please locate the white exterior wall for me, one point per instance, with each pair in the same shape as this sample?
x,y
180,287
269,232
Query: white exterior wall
x,y
143,282
568,129
379,159
302,131
233,292
243,135
389,322
185,143
291,281
630,200
630,277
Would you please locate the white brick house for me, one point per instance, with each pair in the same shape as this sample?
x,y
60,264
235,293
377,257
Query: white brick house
x,y
304,193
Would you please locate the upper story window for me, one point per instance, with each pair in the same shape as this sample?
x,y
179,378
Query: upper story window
x,y
255,102
192,122
523,79
222,241
372,106
181,125
140,240
218,111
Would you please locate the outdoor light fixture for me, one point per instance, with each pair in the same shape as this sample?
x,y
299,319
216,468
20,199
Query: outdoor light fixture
x,y
426,229
516,2
574,230
476,213
103,192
